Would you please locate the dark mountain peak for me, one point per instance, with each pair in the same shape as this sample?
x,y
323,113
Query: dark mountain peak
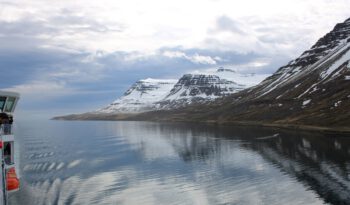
x,y
340,32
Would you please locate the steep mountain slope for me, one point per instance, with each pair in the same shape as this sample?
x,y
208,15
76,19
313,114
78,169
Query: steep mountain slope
x,y
312,90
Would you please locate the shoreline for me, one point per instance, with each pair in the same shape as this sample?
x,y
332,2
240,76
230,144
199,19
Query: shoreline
x,y
342,130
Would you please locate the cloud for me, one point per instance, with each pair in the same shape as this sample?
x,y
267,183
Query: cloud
x,y
110,26
196,58
63,22
41,90
203,59
225,23
73,22
265,35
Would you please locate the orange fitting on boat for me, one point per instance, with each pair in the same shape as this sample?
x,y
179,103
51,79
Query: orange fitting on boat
x,y
11,180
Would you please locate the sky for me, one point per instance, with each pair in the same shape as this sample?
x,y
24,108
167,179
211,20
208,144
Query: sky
x,y
76,56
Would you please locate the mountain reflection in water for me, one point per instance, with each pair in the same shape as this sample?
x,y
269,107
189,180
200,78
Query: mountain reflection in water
x,y
173,163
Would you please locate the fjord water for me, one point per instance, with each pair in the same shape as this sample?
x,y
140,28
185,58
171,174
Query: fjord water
x,y
63,162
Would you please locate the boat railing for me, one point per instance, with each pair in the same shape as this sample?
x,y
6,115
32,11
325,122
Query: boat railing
x,y
6,129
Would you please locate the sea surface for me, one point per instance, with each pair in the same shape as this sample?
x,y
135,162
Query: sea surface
x,y
77,162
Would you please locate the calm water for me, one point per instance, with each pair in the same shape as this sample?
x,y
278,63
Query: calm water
x,y
154,163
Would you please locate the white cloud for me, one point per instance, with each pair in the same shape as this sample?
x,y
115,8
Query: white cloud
x,y
174,54
121,26
196,58
202,59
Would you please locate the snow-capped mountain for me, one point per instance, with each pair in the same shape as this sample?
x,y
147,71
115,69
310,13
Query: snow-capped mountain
x,y
157,94
198,88
141,96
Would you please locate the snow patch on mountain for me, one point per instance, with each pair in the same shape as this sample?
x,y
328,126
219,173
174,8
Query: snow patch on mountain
x,y
336,65
306,102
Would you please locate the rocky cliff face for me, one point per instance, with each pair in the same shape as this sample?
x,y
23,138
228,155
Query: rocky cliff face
x,y
198,88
